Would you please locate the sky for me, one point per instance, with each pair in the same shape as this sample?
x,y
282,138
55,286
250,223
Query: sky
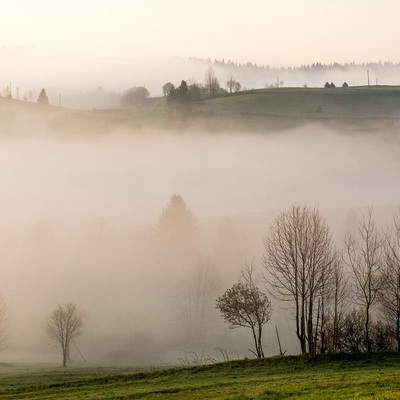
x,y
285,32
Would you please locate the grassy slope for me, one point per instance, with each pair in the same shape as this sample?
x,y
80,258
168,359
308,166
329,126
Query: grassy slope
x,y
264,109
269,109
355,376
357,102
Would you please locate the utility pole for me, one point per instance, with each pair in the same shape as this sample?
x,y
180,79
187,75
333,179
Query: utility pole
x,y
368,76
59,101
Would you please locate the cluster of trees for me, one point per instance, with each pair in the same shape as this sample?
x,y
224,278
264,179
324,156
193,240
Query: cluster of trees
x,y
332,85
346,300
42,99
342,300
317,66
182,98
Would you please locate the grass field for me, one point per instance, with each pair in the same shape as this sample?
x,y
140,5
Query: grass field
x,y
356,102
341,376
354,108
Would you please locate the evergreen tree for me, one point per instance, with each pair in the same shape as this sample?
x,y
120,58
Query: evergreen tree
x,y
43,99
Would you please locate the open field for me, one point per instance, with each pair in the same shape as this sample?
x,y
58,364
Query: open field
x,y
352,102
341,376
373,108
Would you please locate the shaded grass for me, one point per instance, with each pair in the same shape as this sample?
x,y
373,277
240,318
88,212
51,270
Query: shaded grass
x,y
342,376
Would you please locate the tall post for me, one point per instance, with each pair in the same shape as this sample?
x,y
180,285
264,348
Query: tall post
x,y
368,76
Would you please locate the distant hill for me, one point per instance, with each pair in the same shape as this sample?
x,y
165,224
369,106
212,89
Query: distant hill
x,y
373,108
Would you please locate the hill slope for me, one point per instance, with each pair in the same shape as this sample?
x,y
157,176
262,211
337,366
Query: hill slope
x,y
373,108
341,376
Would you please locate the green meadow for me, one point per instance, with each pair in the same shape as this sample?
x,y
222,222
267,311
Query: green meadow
x,y
340,376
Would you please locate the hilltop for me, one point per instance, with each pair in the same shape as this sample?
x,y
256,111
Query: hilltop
x,y
373,108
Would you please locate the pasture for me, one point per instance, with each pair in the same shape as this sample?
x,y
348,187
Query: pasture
x,y
340,376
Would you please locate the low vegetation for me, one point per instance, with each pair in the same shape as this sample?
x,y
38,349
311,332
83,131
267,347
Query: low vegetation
x,y
339,376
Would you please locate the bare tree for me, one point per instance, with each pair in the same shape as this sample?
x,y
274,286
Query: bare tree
x,y
364,256
65,324
298,265
211,83
230,84
237,87
3,323
339,301
244,305
233,86
198,290
353,331
389,297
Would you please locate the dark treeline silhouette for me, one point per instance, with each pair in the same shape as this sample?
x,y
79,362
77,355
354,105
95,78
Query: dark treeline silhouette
x,y
317,66
342,300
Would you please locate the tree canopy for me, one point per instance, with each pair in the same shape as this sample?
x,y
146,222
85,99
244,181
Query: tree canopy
x,y
134,96
244,305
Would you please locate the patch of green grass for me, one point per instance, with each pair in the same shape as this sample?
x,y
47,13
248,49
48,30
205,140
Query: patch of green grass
x,y
341,376
357,102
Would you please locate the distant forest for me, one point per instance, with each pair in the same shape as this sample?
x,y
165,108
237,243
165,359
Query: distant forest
x,y
314,67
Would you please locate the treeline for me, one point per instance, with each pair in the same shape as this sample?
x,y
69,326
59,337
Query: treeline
x,y
343,300
316,67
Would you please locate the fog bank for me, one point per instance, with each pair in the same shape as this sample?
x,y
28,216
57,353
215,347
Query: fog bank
x,y
78,216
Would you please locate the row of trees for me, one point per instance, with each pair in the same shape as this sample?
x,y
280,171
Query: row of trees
x,y
42,99
346,300
181,99
388,65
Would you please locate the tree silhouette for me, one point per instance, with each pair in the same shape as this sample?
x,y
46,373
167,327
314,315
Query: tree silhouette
x,y
43,99
244,305
180,100
65,324
176,228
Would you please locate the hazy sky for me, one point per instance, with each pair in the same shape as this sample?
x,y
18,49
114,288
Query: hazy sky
x,y
271,32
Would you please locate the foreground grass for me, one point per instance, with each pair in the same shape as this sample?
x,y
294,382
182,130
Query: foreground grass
x,y
356,376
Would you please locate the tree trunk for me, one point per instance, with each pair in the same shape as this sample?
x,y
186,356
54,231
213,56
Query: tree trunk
x,y
367,338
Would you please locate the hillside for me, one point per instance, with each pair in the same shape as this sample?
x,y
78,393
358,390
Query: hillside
x,y
373,108
340,376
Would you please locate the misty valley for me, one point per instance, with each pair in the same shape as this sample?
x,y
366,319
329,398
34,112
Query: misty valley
x,y
81,222
199,200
